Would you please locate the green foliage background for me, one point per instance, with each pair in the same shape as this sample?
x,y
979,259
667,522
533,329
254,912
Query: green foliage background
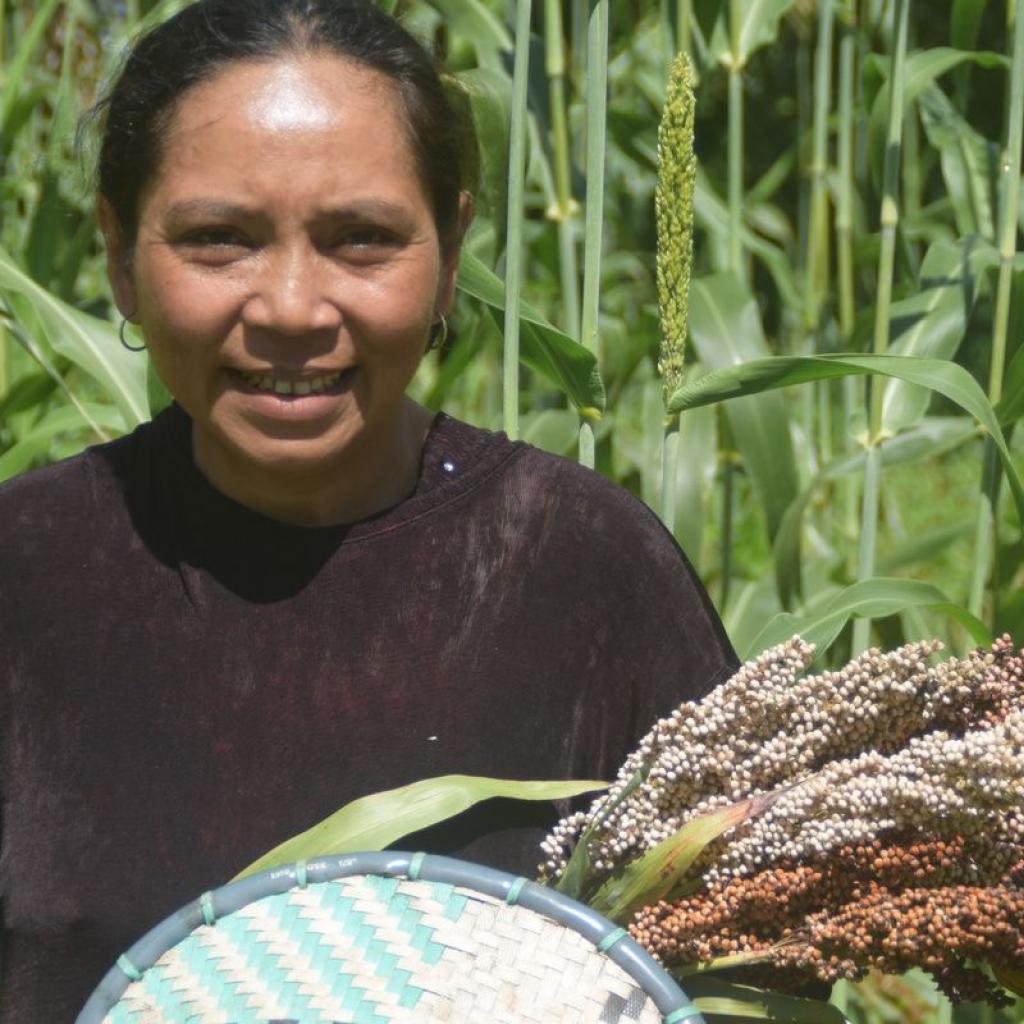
x,y
792,240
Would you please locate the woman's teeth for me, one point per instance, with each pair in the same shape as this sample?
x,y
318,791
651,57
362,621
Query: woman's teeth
x,y
311,386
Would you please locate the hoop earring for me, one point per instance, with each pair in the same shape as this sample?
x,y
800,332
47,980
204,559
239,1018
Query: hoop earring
x,y
439,338
120,334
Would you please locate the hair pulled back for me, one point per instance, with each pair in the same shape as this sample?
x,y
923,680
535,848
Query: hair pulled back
x,y
207,36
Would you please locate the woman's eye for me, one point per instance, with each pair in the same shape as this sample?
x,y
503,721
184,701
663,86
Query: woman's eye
x,y
215,238
367,238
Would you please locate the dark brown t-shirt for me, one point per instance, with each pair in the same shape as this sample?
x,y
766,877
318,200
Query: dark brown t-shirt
x,y
185,683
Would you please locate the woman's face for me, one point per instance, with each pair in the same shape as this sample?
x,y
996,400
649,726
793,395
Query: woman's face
x,y
287,268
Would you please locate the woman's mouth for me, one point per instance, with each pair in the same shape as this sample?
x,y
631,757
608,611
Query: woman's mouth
x,y
298,387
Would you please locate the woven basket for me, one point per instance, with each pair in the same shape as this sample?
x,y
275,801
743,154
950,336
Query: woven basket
x,y
383,937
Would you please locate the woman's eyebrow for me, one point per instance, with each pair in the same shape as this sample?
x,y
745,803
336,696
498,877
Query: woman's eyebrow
x,y
357,209
366,209
216,208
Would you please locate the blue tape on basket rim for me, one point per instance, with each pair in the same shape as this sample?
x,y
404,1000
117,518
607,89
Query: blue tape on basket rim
x,y
416,866
129,968
515,890
611,938
301,874
206,906
683,1013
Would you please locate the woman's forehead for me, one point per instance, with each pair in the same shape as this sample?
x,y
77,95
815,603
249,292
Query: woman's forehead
x,y
300,130
291,93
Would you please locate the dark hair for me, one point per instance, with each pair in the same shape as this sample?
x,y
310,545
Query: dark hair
x,y
206,36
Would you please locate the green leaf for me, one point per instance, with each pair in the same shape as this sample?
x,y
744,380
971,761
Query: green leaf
x,y
727,1001
473,20
17,66
920,70
489,94
872,599
657,872
545,349
934,437
965,22
783,371
712,214
725,328
376,821
924,547
1011,405
969,163
573,879
64,420
937,317
552,430
86,340
1011,978
759,27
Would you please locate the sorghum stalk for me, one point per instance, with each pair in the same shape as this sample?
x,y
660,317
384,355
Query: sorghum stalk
x,y
597,106
816,270
673,204
845,267
735,149
514,241
684,15
563,208
886,260
1009,193
817,262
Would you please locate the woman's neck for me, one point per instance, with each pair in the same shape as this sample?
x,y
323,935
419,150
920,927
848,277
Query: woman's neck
x,y
366,478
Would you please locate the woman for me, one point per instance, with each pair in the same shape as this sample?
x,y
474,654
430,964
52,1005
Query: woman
x,y
296,586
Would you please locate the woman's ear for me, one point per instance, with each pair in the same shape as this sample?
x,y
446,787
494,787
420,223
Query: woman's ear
x,y
119,259
450,255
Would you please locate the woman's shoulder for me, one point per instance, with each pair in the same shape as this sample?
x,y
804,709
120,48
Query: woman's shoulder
x,y
563,508
69,493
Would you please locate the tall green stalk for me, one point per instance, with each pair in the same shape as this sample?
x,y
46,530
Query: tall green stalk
x,y
564,208
886,262
736,264
816,271
597,109
673,204
735,158
514,243
846,266
684,19
1010,170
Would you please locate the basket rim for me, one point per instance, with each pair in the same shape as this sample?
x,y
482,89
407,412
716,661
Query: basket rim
x,y
610,939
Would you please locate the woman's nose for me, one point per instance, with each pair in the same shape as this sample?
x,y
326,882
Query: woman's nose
x,y
291,294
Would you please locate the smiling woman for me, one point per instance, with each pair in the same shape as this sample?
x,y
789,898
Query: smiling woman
x,y
296,586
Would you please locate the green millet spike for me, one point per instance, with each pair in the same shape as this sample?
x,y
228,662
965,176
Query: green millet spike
x,y
673,207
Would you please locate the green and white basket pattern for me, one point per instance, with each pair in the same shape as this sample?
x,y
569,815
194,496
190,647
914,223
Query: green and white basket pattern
x,y
384,937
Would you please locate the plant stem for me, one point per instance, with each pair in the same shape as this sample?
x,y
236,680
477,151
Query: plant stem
x,y
684,16
1010,169
736,141
845,270
597,106
563,209
728,459
890,206
514,244
669,459
886,261
816,270
868,536
844,204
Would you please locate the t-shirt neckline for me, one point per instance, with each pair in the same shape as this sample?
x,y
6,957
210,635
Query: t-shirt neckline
x,y
455,458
